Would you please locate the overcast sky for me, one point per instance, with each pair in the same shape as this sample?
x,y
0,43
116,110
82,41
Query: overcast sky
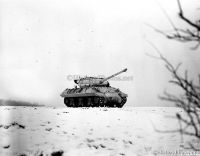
x,y
44,41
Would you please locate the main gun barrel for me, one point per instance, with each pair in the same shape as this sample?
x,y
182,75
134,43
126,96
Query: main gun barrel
x,y
109,77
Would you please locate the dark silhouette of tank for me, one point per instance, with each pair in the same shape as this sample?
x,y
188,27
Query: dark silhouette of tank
x,y
94,92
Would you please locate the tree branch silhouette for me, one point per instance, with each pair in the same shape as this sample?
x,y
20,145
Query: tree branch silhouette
x,y
188,101
190,34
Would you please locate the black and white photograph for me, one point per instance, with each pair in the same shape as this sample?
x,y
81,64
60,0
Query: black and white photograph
x,y
99,78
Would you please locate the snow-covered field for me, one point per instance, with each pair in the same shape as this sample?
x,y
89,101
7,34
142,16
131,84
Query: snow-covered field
x,y
84,132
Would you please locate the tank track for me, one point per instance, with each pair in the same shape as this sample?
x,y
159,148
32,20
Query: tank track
x,y
91,102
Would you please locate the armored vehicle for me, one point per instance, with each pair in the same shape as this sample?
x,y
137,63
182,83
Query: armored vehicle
x,y
94,92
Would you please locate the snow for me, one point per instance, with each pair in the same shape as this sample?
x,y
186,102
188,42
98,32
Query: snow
x,y
128,131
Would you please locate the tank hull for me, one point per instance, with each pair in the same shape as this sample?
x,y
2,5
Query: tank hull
x,y
92,99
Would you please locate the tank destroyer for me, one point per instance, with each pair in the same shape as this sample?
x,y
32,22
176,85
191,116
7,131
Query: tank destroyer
x,y
94,92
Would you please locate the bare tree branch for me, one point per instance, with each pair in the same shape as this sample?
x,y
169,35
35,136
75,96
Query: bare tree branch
x,y
191,34
186,19
189,101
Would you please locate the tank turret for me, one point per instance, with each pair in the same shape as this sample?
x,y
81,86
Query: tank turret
x,y
94,81
94,92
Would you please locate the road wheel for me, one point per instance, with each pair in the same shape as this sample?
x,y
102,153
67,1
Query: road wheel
x,y
89,102
72,103
66,102
96,101
80,102
101,101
